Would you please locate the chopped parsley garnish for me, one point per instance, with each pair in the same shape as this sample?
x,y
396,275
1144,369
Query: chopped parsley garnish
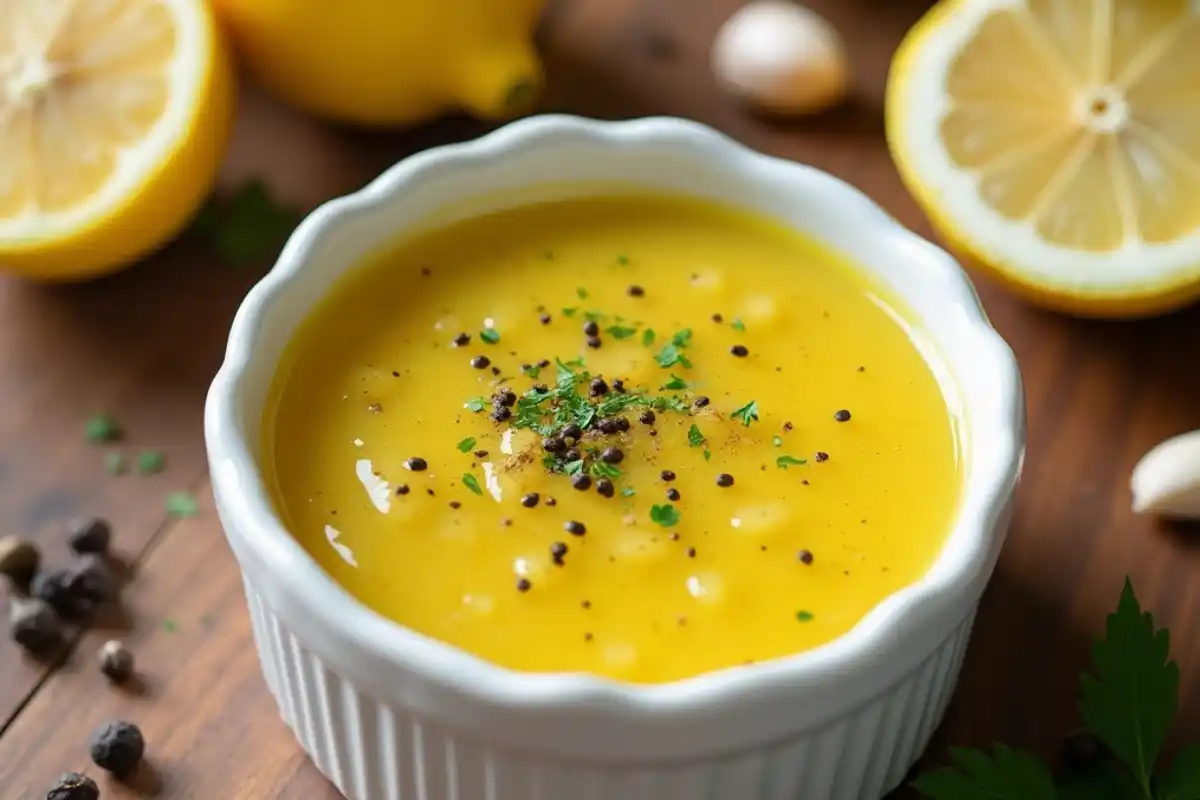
x,y
671,355
695,437
581,293
707,454
466,444
783,462
490,335
682,338
738,326
475,404
594,316
532,370
666,515
623,259
569,311
628,492
777,441
647,337
804,616
747,413
250,225
471,483
102,428
182,504
150,462
602,469
573,467
676,383
620,331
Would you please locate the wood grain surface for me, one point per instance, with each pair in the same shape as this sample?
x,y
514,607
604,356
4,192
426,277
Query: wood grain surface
x,y
143,346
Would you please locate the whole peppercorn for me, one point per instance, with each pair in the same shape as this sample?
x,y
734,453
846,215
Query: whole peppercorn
x,y
53,587
1082,751
591,328
505,397
572,431
842,415
581,482
609,425
90,536
73,786
572,455
724,480
597,387
501,413
481,362
34,625
594,342
92,581
553,444
116,662
612,455
605,487
647,417
19,560
622,424
118,747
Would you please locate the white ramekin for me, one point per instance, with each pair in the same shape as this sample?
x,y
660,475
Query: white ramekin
x,y
388,714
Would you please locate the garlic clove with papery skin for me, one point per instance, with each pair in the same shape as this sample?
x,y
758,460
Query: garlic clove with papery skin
x,y
1167,479
782,58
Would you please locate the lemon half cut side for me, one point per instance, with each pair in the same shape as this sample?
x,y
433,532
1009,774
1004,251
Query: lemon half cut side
x,y
114,117
1056,144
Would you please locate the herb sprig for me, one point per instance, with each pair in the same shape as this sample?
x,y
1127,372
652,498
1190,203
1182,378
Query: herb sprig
x,y
1128,701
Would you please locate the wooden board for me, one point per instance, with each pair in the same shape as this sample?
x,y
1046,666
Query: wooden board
x,y
143,346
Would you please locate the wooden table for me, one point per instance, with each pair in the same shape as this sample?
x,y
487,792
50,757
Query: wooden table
x,y
144,345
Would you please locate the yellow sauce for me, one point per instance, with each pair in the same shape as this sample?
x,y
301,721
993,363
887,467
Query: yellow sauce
x,y
788,557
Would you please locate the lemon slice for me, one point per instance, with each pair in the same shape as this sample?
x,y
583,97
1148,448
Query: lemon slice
x,y
1057,143
114,115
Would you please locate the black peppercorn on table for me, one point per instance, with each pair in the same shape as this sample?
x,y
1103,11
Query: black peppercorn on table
x,y
144,345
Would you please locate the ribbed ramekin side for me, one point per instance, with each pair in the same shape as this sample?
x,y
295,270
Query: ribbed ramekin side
x,y
373,750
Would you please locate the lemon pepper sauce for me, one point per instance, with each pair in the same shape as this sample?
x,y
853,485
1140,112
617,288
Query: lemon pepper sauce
x,y
635,436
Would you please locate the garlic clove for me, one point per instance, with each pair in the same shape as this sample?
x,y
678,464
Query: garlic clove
x,y
1167,479
782,58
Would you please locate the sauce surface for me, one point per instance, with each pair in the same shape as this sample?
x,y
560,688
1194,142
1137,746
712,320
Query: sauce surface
x,y
786,457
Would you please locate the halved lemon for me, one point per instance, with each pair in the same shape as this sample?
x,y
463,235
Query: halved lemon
x,y
1056,143
114,116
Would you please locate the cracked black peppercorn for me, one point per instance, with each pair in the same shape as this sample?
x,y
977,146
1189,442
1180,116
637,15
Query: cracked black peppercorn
x,y
618,386
19,560
822,456
116,662
505,397
73,786
481,362
553,444
118,747
501,413
530,500
572,431
402,489
612,455
558,551
574,528
90,536
34,625
605,487
598,388
608,425
647,417
581,482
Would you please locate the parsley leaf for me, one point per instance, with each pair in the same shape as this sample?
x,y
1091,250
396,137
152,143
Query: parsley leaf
x,y
574,467
490,335
647,337
1006,774
676,382
475,404
582,293
532,370
602,469
1131,700
670,355
1182,780
569,312
682,338
777,441
182,504
783,462
101,428
466,444
665,515
620,331
747,413
623,259
804,616
738,326
695,437
248,226
628,492
150,462
471,483
707,454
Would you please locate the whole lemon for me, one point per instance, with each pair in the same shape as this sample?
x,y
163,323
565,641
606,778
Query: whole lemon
x,y
390,62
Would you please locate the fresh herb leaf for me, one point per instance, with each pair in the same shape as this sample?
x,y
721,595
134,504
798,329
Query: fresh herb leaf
x,y
475,404
466,444
1131,698
594,316
1182,780
669,404
783,462
738,326
170,626
682,338
150,462
1106,780
569,311
182,504
695,437
747,413
1006,774
471,483
602,469
532,370
647,337
490,335
665,515
248,226
670,355
676,383
101,428
620,331
707,454
574,467
623,259
777,441
804,616
581,293
114,464
551,462
628,492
